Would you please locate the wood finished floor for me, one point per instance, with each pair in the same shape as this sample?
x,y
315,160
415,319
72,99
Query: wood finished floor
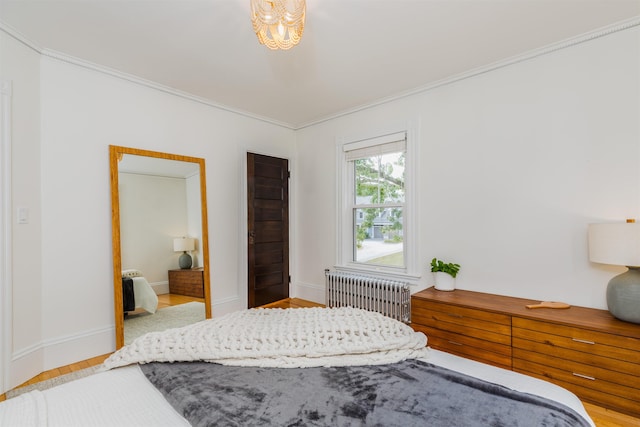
x,y
601,416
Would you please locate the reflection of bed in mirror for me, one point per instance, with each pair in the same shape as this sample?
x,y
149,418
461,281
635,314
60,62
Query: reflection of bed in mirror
x,y
142,294
156,197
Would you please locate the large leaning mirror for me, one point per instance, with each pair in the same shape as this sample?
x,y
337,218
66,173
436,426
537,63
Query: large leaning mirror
x,y
160,241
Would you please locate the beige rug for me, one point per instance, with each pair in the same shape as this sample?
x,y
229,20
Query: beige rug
x,y
165,318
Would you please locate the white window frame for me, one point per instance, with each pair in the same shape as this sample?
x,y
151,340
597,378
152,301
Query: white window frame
x,y
345,187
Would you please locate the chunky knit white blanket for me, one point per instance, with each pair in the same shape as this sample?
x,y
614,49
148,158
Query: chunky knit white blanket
x,y
292,338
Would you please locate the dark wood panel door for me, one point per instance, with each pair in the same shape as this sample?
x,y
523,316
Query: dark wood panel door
x,y
268,226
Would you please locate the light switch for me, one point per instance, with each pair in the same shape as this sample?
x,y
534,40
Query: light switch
x,y
23,215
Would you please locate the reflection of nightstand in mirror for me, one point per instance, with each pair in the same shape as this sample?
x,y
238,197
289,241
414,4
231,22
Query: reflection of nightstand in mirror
x,y
187,282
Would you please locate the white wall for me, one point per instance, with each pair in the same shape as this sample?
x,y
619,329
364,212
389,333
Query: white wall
x,y
514,164
194,219
153,211
84,112
65,117
20,67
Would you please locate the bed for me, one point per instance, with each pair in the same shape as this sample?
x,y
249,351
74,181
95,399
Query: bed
x,y
311,366
144,295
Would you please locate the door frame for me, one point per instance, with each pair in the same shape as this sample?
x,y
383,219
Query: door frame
x,y
6,237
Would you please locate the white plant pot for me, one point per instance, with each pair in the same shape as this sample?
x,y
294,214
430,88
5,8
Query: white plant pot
x,y
444,281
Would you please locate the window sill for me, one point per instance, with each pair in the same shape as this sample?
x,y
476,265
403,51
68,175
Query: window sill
x,y
391,274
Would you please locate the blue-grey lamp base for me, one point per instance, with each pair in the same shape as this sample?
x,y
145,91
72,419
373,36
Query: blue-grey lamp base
x,y
623,296
185,262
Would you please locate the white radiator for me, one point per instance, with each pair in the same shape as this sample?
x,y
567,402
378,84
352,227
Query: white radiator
x,y
389,297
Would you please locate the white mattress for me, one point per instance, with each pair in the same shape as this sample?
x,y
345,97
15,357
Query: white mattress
x,y
124,396
120,397
509,379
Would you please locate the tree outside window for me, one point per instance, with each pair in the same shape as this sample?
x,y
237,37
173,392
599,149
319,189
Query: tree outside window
x,y
378,208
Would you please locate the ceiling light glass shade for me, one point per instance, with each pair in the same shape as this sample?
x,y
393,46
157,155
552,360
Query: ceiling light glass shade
x,y
279,24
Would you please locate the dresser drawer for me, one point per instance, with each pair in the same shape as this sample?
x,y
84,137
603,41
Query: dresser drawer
x,y
479,324
591,355
427,307
475,334
594,390
598,367
572,337
192,277
188,290
585,350
578,345
187,282
469,347
591,376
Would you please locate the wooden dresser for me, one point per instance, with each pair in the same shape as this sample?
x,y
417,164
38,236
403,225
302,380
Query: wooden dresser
x,y
187,282
585,350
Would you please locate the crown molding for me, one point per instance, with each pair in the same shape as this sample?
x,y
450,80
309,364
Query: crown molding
x,y
157,86
59,56
154,85
573,41
19,37
545,50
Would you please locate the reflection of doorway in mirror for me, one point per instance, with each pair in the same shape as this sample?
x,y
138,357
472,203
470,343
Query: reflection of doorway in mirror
x,y
156,198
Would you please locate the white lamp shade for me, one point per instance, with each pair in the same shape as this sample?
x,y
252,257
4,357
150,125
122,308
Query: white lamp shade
x,y
615,243
182,244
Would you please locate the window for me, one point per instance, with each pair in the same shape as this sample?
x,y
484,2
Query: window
x,y
375,209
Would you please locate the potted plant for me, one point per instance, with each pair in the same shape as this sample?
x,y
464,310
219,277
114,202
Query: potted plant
x,y
444,274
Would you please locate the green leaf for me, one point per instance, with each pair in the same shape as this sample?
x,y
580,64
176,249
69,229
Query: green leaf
x,y
440,266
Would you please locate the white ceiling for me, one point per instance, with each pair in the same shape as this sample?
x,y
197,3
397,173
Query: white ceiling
x,y
353,52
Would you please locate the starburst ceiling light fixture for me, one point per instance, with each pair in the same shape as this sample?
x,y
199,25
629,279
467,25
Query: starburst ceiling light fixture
x,y
279,24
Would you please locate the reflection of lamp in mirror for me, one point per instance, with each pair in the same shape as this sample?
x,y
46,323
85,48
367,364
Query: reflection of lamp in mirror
x,y
619,244
184,244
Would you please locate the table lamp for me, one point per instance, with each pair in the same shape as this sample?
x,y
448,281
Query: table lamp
x,y
619,244
184,244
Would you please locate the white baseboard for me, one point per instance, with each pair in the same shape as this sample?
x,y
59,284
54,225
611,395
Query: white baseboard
x,y
64,351
54,353
61,351
310,292
224,306
160,288
24,365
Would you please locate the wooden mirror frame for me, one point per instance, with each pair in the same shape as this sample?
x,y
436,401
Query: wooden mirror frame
x,y
115,155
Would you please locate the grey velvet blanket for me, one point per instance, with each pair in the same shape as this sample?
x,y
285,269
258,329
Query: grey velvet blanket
x,y
409,393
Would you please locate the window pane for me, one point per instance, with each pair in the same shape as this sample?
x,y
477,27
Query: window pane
x,y
379,236
380,179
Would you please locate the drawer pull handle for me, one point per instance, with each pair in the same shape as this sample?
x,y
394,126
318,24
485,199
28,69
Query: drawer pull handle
x,y
458,316
586,377
455,343
583,341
